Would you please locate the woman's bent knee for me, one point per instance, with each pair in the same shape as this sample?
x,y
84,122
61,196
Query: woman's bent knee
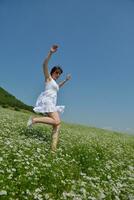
x,y
55,117
57,122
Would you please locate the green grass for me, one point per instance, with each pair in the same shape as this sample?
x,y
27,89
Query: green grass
x,y
90,163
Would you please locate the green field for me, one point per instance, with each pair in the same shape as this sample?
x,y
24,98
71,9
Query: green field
x,y
90,163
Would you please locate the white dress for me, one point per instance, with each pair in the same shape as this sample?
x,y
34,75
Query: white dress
x,y
46,102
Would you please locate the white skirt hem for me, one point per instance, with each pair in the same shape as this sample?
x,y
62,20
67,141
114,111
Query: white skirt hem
x,y
44,110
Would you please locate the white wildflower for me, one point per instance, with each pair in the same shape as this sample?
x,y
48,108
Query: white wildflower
x,y
109,177
1,159
91,198
3,192
117,198
131,168
46,196
108,167
101,195
83,191
38,150
13,169
27,163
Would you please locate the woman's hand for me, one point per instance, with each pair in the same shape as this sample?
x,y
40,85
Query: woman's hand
x,y
68,77
54,48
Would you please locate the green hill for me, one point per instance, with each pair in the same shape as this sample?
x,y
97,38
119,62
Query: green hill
x,y
8,100
90,163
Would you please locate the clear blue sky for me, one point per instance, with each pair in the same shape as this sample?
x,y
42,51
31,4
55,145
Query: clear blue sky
x,y
96,40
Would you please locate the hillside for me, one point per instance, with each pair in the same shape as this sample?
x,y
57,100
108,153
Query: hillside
x,y
90,163
8,100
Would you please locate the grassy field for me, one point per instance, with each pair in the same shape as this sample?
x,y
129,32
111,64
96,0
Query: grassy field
x,y
90,163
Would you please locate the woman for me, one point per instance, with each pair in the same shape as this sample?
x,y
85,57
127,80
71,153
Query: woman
x,y
46,102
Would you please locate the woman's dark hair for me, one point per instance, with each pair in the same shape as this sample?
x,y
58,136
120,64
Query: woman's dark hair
x,y
56,68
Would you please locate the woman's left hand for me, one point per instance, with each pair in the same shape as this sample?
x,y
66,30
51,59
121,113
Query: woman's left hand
x,y
68,77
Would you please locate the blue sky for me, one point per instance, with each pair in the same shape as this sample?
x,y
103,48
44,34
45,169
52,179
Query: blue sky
x,y
96,45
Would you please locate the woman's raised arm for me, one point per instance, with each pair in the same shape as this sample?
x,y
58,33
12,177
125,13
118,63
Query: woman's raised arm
x,y
45,63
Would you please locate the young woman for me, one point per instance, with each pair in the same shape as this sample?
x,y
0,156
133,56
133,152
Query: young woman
x,y
46,102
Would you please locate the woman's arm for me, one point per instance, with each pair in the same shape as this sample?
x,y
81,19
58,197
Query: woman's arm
x,y
45,63
68,77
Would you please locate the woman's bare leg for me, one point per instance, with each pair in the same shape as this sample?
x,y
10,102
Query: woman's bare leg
x,y
46,120
55,137
54,120
55,131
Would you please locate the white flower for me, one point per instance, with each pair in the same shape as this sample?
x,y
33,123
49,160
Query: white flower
x,y
83,191
117,198
3,192
109,177
1,159
108,167
91,198
13,169
27,163
102,195
38,150
131,168
46,196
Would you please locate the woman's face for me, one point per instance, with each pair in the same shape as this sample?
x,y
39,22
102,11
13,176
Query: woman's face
x,y
56,74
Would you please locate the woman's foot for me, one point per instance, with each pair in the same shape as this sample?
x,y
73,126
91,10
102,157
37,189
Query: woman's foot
x,y
30,122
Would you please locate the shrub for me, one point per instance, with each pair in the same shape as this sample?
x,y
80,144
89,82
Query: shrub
x,y
17,109
5,106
